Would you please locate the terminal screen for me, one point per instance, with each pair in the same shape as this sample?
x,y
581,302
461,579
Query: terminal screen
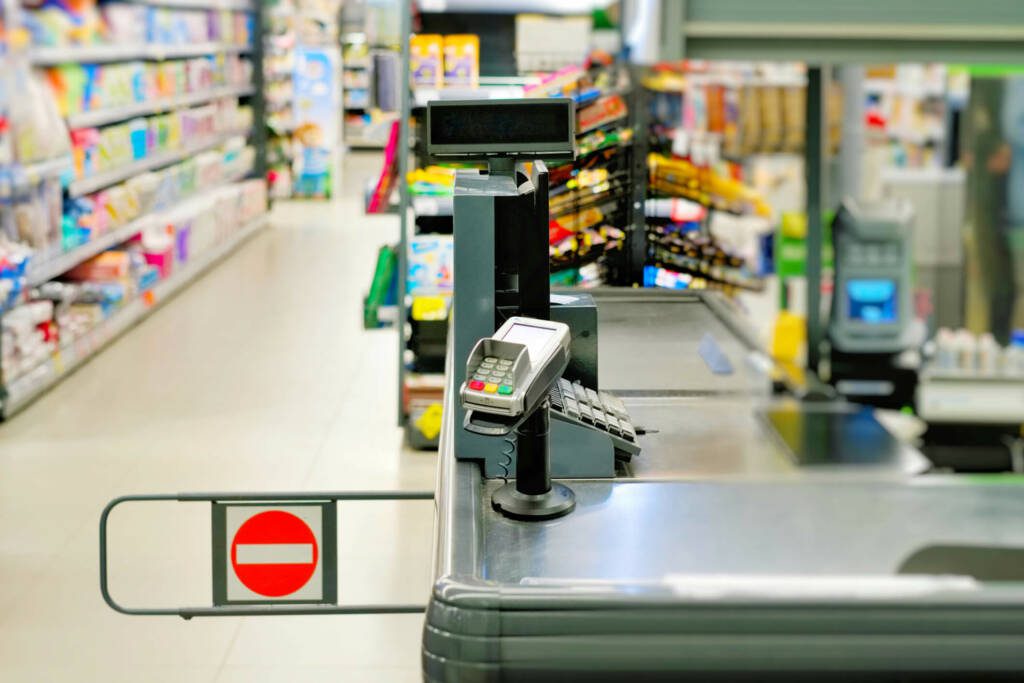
x,y
500,124
872,300
533,338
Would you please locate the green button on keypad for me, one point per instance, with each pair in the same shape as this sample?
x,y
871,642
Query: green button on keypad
x,y
505,389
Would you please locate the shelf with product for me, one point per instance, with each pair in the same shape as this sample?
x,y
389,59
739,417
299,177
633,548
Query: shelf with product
x,y
112,153
590,198
101,32
907,107
105,219
127,174
65,323
726,144
123,112
279,41
368,106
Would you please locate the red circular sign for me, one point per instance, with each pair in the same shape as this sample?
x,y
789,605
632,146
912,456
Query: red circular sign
x,y
274,553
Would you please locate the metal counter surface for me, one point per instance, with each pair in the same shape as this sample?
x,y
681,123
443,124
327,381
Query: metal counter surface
x,y
598,594
648,344
646,531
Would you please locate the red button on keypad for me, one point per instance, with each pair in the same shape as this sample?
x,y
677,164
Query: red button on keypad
x,y
476,385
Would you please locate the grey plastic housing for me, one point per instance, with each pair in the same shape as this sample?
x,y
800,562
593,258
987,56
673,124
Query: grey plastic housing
x,y
533,377
872,241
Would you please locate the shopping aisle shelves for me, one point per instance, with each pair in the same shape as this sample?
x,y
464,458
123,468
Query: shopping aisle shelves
x,y
84,186
104,54
30,175
28,386
112,115
198,4
51,268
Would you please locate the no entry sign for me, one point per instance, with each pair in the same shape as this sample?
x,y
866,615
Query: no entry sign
x,y
274,553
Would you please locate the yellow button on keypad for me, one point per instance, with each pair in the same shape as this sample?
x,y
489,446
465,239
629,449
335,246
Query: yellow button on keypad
x,y
490,388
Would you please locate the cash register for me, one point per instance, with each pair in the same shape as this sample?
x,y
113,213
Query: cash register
x,y
501,272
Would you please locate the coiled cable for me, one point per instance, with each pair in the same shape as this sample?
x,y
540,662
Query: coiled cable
x,y
506,456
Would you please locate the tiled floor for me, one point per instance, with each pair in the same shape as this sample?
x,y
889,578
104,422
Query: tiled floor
x,y
257,377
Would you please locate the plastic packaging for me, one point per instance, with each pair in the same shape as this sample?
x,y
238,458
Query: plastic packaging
x,y
989,355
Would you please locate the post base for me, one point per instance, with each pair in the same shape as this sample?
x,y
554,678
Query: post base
x,y
560,500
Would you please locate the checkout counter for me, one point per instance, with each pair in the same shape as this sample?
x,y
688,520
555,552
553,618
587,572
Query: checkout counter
x,y
753,536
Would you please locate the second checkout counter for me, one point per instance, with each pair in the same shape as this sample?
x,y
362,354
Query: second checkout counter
x,y
723,551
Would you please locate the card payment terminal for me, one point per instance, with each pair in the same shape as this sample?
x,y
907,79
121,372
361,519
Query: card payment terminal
x,y
508,378
511,372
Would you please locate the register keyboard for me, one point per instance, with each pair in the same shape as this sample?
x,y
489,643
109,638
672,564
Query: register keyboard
x,y
573,402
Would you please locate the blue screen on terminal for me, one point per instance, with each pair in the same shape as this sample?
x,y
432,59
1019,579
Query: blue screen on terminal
x,y
872,300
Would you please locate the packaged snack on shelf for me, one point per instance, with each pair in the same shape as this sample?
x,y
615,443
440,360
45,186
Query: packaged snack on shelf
x,y
125,22
61,24
426,56
29,336
110,265
433,180
601,113
461,60
145,187
430,264
157,246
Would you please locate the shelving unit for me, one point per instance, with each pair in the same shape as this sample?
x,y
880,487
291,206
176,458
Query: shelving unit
x,y
153,286
84,186
47,270
105,54
357,77
198,4
73,355
278,41
29,175
104,116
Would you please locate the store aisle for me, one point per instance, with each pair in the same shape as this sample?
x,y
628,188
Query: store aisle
x,y
257,377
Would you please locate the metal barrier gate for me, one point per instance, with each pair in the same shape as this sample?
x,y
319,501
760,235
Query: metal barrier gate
x,y
273,553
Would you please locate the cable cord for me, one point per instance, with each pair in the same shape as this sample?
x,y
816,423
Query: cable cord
x,y
506,457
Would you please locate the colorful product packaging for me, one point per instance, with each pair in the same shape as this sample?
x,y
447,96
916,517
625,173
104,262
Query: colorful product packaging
x,y
602,112
462,60
426,58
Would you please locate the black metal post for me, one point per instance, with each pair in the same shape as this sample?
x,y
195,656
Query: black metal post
x,y
636,230
532,496
814,153
534,265
533,464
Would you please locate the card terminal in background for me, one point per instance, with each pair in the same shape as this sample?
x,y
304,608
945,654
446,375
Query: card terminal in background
x,y
872,310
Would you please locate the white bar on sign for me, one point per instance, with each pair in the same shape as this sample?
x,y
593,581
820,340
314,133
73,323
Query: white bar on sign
x,y
274,553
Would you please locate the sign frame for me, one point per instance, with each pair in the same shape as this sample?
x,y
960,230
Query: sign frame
x,y
328,551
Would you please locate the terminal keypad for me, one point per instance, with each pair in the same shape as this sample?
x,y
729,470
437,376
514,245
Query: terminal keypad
x,y
492,376
597,409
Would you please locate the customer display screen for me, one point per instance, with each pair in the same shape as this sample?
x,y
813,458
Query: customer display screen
x,y
533,338
872,300
543,122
